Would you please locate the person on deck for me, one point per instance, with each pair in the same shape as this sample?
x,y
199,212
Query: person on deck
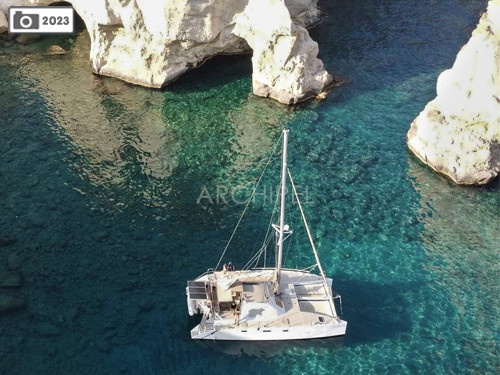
x,y
236,312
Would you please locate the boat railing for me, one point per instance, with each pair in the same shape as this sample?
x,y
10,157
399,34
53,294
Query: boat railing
x,y
210,270
283,269
204,326
339,297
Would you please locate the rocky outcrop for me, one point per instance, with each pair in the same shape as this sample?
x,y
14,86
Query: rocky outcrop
x,y
153,43
56,50
285,66
3,23
458,132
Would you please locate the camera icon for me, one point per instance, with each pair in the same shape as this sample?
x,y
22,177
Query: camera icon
x,y
26,21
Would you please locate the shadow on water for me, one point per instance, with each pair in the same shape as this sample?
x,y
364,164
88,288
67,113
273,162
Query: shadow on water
x,y
422,174
269,349
382,48
218,71
375,311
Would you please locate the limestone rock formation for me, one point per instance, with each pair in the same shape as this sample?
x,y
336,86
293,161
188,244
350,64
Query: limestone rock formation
x,y
153,43
458,133
285,66
3,23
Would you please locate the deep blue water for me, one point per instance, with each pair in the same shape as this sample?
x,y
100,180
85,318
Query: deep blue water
x,y
101,216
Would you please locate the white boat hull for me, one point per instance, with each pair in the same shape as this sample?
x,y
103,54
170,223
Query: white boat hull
x,y
272,334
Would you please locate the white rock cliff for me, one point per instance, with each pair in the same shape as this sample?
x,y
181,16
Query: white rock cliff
x,y
153,43
285,66
458,133
3,23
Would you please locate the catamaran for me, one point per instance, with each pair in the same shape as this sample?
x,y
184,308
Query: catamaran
x,y
266,303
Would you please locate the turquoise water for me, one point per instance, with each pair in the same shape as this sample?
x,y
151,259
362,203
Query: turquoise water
x,y
99,214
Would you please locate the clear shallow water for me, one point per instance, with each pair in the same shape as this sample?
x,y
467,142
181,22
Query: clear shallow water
x,y
99,188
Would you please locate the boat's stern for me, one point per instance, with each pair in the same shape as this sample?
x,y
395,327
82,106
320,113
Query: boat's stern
x,y
204,330
198,300
195,332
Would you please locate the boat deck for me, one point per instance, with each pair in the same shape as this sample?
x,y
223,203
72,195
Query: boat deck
x,y
302,300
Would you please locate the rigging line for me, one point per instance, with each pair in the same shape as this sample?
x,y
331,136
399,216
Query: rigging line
x,y
252,259
266,245
248,203
327,289
258,252
274,212
256,257
268,228
308,270
264,248
267,237
257,260
265,256
287,249
265,252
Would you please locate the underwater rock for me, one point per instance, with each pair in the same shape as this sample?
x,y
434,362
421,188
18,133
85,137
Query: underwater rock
x,y
11,281
457,133
101,235
47,329
56,50
8,303
36,220
6,241
153,43
146,304
4,26
27,38
14,261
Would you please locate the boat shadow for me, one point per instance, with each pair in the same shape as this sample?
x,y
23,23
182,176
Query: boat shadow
x,y
374,312
269,349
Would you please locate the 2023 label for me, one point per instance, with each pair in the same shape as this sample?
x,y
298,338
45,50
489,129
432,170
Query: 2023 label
x,y
41,20
55,20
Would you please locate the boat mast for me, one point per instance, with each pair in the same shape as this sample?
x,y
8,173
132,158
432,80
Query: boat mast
x,y
282,212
